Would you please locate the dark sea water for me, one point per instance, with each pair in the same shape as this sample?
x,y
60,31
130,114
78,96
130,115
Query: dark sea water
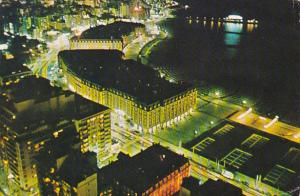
x,y
259,61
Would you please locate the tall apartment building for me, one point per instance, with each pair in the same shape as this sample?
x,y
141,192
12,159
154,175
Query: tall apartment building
x,y
95,134
34,113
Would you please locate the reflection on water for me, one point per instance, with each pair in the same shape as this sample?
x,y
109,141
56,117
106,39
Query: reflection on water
x,y
212,24
250,27
240,57
233,27
232,37
231,53
232,32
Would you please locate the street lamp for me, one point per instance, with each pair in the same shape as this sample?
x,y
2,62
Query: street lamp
x,y
217,93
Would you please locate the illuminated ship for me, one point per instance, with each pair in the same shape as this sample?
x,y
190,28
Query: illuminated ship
x,y
239,19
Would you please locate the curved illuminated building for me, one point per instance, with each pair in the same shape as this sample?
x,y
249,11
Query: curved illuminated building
x,y
113,36
104,77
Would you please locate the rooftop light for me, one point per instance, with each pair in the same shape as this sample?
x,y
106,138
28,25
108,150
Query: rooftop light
x,y
244,114
271,123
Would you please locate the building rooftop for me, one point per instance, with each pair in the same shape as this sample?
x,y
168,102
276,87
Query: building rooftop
x,y
114,30
210,187
53,153
32,104
142,171
11,67
77,167
60,146
31,88
251,152
109,70
277,128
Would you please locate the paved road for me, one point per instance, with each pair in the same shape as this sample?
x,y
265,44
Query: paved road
x,y
42,64
133,49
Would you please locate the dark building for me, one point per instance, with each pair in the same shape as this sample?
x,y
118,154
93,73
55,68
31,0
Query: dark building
x,y
50,158
78,174
116,30
65,170
191,187
155,171
12,71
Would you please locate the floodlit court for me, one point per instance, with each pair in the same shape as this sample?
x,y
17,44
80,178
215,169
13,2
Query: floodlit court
x,y
207,115
218,108
188,129
236,158
271,126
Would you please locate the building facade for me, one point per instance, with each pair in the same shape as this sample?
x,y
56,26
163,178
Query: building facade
x,y
27,125
106,41
155,171
77,175
170,184
146,117
167,186
95,135
106,44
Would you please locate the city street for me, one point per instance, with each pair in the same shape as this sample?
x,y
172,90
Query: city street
x,y
129,139
45,64
133,49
